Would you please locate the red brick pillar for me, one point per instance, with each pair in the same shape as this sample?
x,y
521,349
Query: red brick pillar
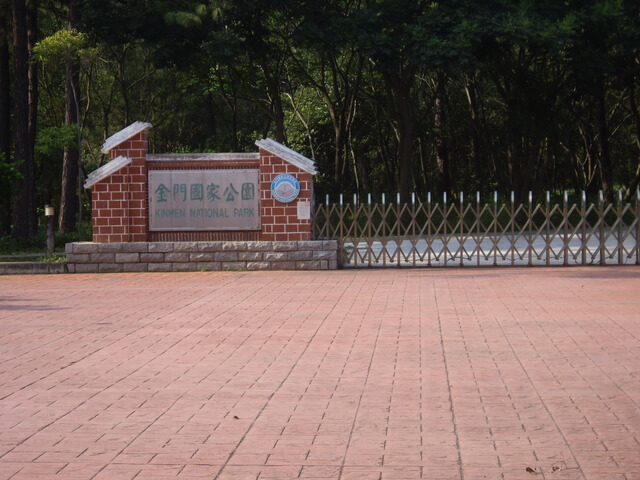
x,y
119,202
280,221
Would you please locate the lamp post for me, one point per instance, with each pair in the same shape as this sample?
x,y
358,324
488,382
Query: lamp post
x,y
48,215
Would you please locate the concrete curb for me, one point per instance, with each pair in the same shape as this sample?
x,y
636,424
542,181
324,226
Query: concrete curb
x,y
24,268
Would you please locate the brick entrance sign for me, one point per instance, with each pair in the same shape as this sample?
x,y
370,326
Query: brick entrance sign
x,y
220,211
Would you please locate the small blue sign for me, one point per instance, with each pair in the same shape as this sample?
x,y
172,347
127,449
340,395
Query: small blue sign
x,y
285,188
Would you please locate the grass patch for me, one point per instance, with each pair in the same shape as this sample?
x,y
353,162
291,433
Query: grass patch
x,y
10,245
54,258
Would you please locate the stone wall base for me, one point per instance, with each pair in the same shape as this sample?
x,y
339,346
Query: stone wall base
x,y
88,257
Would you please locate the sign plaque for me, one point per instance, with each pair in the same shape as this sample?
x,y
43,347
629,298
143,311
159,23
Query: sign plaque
x,y
285,188
188,200
304,210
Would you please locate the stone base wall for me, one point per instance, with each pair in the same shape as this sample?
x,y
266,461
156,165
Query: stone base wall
x,y
88,257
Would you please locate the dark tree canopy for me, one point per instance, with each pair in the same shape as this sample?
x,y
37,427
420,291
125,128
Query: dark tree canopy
x,y
407,96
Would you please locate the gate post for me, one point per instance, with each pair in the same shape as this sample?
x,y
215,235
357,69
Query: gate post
x,y
565,214
601,215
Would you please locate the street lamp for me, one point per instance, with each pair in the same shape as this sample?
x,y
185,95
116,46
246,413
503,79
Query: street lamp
x,y
48,215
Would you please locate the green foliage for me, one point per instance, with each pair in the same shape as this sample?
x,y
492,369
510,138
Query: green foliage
x,y
460,95
54,258
51,141
63,45
8,175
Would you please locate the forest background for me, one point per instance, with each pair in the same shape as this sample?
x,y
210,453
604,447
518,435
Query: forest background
x,y
384,95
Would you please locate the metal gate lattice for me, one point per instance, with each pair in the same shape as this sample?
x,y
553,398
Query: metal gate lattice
x,y
490,234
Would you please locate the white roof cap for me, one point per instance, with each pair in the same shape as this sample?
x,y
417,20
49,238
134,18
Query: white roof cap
x,y
124,134
107,170
287,154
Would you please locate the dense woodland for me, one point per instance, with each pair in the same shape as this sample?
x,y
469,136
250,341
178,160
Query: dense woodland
x,y
384,95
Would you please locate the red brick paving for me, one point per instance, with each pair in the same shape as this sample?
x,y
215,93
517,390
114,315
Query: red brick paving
x,y
368,374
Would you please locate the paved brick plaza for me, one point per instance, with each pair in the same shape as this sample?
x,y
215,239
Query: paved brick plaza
x,y
392,374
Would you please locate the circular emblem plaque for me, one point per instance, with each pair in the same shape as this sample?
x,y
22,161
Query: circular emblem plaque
x,y
285,188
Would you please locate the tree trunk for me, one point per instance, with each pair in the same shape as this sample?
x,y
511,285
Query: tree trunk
x,y
276,110
32,38
480,169
212,131
121,56
517,152
69,195
278,116
442,150
606,169
5,119
338,157
235,143
400,84
24,208
632,187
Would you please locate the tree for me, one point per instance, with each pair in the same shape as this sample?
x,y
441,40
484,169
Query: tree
x,y
604,64
69,198
24,207
5,121
67,47
323,56
429,96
